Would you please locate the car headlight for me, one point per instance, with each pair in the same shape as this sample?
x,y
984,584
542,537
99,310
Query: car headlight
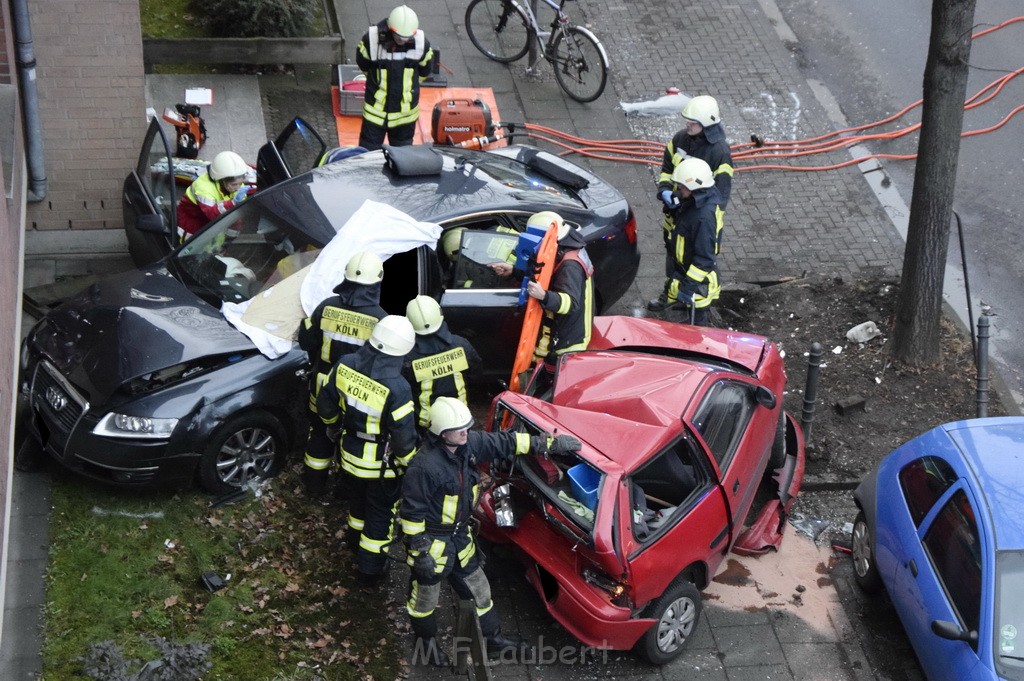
x,y
144,427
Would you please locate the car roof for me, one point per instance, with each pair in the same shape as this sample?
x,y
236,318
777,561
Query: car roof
x,y
994,449
467,178
625,404
742,350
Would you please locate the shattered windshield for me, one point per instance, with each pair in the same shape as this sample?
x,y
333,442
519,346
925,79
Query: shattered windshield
x,y
246,251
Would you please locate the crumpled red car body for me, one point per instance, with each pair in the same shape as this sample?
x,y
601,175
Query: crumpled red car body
x,y
678,425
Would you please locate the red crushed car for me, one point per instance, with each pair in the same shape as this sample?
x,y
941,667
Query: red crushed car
x,y
687,453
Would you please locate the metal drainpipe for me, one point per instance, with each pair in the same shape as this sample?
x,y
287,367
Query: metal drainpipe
x,y
26,61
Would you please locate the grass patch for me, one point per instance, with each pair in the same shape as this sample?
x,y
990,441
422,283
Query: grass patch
x,y
125,567
170,19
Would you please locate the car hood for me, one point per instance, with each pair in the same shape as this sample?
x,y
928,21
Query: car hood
x,y
130,325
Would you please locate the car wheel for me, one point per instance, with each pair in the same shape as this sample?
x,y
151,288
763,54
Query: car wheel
x,y
865,571
246,447
676,612
778,455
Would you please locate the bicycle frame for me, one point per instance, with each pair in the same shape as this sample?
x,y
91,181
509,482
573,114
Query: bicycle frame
x,y
561,19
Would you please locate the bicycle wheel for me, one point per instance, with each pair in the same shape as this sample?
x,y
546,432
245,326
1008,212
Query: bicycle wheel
x,y
579,63
499,29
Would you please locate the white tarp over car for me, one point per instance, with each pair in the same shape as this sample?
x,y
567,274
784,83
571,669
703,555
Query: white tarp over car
x,y
271,318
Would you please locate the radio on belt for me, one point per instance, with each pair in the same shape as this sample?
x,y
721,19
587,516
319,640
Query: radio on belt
x,y
457,120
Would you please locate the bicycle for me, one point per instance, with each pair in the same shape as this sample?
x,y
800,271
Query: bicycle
x,y
504,29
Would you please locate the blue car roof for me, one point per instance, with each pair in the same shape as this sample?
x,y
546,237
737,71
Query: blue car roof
x,y
994,449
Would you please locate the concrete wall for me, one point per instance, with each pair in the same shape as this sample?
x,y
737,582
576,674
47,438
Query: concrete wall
x,y
92,105
12,179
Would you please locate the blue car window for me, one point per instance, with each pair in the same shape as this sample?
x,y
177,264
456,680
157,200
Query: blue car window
x,y
954,547
1009,615
923,481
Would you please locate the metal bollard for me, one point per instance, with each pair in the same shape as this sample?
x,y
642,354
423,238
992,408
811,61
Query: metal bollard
x,y
982,362
811,389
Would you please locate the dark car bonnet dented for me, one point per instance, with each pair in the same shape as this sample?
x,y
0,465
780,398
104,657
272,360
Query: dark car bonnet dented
x,y
131,325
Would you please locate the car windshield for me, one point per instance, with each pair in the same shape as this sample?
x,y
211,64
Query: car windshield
x,y
243,253
1009,615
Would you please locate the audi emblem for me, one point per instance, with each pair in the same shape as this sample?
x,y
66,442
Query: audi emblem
x,y
55,398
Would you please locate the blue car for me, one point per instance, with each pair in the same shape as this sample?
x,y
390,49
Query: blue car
x,y
941,527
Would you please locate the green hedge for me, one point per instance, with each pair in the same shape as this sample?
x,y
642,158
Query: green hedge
x,y
257,18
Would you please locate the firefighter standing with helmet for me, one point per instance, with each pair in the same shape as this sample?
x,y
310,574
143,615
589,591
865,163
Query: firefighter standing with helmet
x,y
395,56
367,403
218,191
694,243
439,492
339,325
569,301
703,138
440,361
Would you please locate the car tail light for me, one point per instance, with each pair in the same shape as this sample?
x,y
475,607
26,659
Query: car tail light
x,y
615,589
631,228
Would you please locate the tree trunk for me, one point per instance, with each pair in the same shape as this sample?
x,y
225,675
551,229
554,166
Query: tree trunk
x,y
919,309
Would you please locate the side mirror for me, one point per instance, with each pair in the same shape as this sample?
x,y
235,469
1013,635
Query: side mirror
x,y
764,397
952,632
153,223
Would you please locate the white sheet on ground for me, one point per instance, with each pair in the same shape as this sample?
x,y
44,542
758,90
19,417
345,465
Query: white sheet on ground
x,y
271,319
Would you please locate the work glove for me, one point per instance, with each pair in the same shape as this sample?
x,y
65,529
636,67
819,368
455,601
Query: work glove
x,y
242,193
422,562
557,444
669,198
333,431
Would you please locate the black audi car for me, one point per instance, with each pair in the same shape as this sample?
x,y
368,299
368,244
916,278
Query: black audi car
x,y
141,379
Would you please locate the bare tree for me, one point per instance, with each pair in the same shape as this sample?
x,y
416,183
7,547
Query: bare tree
x,y
916,335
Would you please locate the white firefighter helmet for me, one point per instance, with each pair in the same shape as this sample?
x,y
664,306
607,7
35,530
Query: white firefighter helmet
x,y
451,242
549,218
403,21
393,336
703,109
364,268
693,173
227,164
425,315
448,413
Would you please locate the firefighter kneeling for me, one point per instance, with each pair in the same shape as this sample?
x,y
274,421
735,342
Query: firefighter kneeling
x,y
438,495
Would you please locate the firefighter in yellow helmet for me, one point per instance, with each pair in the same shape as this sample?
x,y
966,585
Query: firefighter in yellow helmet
x,y
395,56
367,404
441,361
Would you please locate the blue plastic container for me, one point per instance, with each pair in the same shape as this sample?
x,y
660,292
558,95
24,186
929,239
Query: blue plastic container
x,y
584,482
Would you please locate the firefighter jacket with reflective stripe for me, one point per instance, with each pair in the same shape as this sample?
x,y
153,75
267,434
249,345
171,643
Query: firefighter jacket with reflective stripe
x,y
438,366
367,397
441,487
710,146
393,75
696,239
202,202
340,324
569,302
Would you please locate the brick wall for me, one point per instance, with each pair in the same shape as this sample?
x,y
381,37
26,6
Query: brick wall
x,y
6,59
92,108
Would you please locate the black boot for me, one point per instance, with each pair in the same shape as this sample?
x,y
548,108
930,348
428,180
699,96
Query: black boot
x,y
429,651
499,646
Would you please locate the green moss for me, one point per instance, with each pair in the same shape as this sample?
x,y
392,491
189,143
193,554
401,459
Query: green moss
x,y
170,19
